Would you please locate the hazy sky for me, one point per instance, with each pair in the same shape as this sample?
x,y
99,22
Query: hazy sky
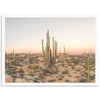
x,y
25,34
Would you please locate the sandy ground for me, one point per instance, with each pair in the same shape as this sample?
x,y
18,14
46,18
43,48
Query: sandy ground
x,y
72,69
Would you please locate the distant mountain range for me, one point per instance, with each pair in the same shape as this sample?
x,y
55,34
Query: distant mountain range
x,y
58,53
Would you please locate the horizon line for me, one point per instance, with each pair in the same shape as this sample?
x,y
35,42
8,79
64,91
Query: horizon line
x,y
58,53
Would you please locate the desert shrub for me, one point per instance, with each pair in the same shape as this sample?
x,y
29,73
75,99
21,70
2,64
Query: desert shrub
x,y
92,77
21,59
83,80
35,67
65,72
72,58
75,61
86,73
60,77
20,71
69,75
30,66
76,76
16,62
63,64
92,61
46,70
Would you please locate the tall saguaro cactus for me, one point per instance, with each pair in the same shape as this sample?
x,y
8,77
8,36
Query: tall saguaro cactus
x,y
48,47
48,54
43,50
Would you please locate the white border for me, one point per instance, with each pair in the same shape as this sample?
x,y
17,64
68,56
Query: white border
x,y
49,84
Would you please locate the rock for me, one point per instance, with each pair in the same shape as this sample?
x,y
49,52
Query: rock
x,y
69,76
52,80
60,77
76,76
37,80
75,72
77,67
92,77
8,72
19,80
41,58
8,79
72,64
86,74
66,80
21,71
56,60
83,80
14,76
18,75
83,75
28,78
35,77
32,78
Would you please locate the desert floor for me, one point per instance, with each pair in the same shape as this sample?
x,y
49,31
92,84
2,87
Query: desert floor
x,y
71,69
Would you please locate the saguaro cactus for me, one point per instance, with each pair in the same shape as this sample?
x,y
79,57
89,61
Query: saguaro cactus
x,y
13,52
8,58
49,57
30,58
48,48
64,51
43,50
11,57
55,52
29,54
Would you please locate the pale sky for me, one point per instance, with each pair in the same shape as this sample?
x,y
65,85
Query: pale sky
x,y
25,34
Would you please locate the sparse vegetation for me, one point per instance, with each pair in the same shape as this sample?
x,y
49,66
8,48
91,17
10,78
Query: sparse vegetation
x,y
50,66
